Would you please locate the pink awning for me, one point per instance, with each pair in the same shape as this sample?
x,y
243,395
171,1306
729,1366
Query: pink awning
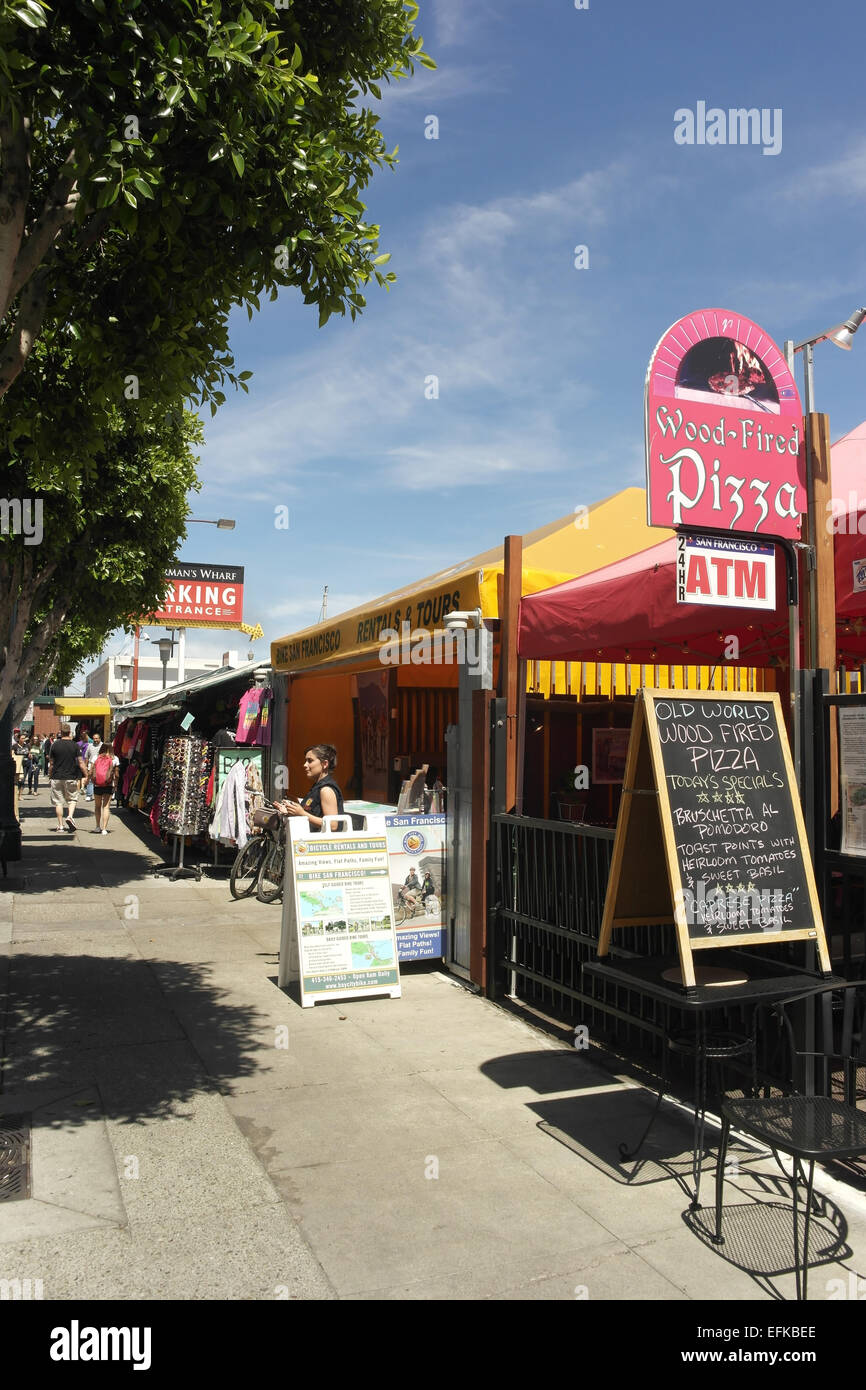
x,y
628,611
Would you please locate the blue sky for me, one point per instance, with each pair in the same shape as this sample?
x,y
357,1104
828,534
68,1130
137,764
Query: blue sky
x,y
556,129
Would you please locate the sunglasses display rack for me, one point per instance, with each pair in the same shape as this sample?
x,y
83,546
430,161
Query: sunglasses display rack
x,y
183,809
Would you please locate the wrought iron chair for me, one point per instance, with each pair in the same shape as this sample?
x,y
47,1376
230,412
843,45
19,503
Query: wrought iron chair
x,y
817,1119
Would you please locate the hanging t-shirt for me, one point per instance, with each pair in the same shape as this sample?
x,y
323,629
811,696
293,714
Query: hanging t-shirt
x,y
265,708
254,716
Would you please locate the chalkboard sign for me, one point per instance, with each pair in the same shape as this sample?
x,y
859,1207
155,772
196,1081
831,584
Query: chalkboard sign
x,y
710,833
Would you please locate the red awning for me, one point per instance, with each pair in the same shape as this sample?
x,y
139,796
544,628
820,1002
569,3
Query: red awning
x,y
628,611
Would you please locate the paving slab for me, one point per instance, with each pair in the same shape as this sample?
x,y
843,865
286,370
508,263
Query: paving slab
x,y
486,1221
257,1253
74,1182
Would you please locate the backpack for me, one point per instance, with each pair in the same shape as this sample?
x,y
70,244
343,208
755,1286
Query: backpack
x,y
102,770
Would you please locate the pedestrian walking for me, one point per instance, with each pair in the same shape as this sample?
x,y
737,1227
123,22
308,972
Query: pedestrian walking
x,y
34,768
103,772
66,769
87,749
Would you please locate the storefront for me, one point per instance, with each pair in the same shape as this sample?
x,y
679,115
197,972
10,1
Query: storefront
x,y
93,715
381,682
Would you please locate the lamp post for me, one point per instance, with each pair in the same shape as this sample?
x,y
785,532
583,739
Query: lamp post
x,y
124,670
821,647
224,523
166,647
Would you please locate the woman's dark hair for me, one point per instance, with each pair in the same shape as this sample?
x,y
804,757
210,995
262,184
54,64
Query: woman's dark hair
x,y
326,753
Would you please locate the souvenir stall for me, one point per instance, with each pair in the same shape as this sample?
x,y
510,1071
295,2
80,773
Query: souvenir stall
x,y
222,721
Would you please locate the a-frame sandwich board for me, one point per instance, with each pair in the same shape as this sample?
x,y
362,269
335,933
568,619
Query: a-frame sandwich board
x,y
646,880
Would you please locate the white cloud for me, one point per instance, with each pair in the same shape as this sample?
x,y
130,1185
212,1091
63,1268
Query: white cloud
x,y
444,84
303,611
465,310
843,178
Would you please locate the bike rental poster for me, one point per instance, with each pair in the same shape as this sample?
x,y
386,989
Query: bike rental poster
x,y
418,842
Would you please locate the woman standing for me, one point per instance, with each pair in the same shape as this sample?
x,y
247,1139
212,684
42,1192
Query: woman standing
x,y
34,768
103,771
324,797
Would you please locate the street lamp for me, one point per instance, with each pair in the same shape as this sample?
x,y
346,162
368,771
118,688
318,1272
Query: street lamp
x,y
124,670
841,335
166,647
225,523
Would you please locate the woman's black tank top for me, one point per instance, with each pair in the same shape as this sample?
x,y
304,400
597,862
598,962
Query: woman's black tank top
x,y
312,802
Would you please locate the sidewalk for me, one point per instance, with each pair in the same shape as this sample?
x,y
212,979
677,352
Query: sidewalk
x,y
197,1135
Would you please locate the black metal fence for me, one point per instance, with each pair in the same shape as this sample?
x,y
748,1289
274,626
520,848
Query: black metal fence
x,y
841,876
549,882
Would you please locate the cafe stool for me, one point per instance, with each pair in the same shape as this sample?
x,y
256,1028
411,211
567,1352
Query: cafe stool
x,y
712,1046
707,1046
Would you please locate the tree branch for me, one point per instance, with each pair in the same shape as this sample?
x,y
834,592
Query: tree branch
x,y
28,325
14,196
58,212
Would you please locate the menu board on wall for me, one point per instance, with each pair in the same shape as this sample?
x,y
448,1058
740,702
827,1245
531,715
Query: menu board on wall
x,y
852,771
711,833
338,921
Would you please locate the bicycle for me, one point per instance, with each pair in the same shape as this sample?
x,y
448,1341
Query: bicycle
x,y
405,910
246,870
270,881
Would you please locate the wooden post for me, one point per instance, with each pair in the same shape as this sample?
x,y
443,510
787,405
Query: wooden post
x,y
135,663
819,533
508,661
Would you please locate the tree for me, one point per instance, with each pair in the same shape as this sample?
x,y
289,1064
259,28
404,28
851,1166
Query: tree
x,y
167,159
105,537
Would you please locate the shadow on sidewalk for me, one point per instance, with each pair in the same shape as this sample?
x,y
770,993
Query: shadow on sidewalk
x,y
77,1019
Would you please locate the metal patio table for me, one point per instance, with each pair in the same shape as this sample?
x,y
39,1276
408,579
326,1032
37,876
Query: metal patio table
x,y
767,983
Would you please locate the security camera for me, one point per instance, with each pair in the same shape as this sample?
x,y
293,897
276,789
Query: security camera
x,y
464,618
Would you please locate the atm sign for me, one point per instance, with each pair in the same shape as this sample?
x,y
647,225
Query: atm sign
x,y
731,574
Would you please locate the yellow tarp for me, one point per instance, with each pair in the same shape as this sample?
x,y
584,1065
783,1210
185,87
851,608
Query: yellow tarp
x,y
76,706
574,545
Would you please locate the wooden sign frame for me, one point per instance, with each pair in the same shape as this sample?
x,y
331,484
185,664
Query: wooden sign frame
x,y
650,891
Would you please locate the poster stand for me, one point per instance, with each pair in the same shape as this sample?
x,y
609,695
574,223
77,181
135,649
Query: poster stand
x,y
338,939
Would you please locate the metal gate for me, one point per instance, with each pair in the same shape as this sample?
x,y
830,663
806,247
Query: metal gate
x,y
841,878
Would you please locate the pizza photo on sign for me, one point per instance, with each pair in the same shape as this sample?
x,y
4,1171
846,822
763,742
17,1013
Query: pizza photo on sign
x,y
724,367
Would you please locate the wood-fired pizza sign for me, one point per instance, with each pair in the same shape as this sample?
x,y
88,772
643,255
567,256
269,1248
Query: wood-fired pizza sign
x,y
724,430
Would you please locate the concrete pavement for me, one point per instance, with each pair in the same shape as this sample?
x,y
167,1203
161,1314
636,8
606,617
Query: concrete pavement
x,y
197,1135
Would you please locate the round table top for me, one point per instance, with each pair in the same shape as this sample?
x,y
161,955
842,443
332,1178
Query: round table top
x,y
709,975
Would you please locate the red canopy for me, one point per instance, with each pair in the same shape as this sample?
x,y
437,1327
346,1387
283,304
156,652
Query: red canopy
x,y
628,611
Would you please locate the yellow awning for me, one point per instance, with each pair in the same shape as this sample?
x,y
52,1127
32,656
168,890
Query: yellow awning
x,y
574,545
77,706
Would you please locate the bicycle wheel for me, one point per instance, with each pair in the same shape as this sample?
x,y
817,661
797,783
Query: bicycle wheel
x,y
270,882
245,869
400,913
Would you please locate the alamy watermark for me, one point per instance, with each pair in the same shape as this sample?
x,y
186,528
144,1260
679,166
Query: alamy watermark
x,y
720,908
736,126
22,517
418,647
846,519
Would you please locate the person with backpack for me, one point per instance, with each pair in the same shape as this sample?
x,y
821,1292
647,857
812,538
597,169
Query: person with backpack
x,y
103,775
65,772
